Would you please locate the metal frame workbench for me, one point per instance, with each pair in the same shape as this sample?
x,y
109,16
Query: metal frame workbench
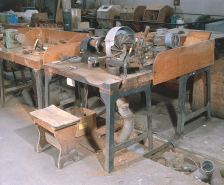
x,y
111,89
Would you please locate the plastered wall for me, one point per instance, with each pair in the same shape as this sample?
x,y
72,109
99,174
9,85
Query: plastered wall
x,y
210,7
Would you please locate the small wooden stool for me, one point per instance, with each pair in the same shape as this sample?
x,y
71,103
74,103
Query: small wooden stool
x,y
57,128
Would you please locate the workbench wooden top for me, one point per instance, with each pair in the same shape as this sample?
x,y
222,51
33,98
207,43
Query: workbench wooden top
x,y
63,43
98,77
166,66
28,60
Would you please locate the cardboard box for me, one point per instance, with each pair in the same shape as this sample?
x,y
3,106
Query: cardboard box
x,y
87,122
76,15
83,25
42,16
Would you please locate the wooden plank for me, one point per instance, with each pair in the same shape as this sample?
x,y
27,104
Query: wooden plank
x,y
196,36
42,16
10,26
39,122
49,36
53,36
79,38
31,61
23,30
54,52
31,36
60,16
182,40
7,55
179,61
55,118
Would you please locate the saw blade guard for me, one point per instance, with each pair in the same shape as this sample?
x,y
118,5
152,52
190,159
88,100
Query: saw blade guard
x,y
116,38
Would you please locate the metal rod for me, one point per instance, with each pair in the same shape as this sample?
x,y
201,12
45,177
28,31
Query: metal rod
x,y
148,22
131,142
198,14
196,113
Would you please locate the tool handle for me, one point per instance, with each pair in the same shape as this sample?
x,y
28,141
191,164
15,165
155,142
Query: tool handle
x,y
147,28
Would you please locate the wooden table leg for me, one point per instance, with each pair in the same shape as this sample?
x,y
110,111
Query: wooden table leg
x,y
48,78
42,138
38,74
2,83
149,116
66,139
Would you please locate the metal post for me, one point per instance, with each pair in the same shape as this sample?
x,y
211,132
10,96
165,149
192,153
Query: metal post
x,y
208,85
38,74
2,83
67,15
182,118
109,101
181,104
48,78
149,116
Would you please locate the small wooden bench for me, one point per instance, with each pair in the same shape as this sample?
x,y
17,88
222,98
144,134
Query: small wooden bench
x,y
56,127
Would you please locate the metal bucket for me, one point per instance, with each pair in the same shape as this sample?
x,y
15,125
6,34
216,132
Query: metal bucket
x,y
207,168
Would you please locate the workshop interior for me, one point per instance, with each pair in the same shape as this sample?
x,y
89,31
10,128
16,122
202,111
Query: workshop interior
x,y
112,92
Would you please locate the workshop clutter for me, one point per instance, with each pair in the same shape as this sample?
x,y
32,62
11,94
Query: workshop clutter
x,y
158,13
153,13
108,12
196,166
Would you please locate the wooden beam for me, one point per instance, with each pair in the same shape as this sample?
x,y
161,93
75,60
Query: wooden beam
x,y
183,60
54,52
196,36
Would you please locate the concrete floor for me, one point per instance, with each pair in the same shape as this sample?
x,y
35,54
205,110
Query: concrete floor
x,y
20,164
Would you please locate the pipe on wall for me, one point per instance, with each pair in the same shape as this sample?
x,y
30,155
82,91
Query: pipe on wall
x,y
67,15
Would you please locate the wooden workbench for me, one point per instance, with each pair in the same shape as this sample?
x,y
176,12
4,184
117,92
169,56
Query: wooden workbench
x,y
59,43
111,88
180,62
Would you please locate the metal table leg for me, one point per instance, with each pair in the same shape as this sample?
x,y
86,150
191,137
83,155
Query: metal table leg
x,y
182,118
48,78
111,148
208,85
149,116
181,104
38,74
2,83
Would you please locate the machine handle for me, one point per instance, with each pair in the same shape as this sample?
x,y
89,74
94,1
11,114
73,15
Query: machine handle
x,y
147,28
